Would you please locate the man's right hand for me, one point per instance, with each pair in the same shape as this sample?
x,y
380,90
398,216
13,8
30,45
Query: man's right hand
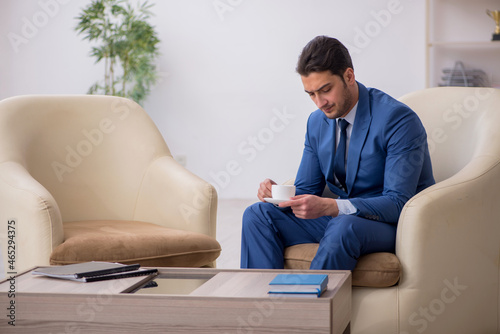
x,y
265,189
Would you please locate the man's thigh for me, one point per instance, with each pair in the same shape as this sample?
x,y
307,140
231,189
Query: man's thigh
x,y
371,236
348,237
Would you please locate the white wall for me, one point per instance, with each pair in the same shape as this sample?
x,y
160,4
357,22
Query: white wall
x,y
229,100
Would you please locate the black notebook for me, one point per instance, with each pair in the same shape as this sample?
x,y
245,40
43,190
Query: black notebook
x,y
133,273
93,271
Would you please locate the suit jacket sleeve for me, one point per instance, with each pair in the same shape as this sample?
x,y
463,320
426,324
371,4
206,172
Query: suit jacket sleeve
x,y
405,169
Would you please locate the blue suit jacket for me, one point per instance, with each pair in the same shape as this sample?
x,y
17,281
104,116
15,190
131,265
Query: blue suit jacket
x,y
387,162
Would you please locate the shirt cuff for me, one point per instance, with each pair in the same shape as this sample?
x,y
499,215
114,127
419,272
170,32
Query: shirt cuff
x,y
345,207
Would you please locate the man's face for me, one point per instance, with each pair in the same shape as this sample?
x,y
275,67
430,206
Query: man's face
x,y
330,94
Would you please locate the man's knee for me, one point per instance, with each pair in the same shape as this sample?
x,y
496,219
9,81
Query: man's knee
x,y
260,210
254,214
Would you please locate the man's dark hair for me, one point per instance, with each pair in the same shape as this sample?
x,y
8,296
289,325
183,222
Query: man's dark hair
x,y
324,54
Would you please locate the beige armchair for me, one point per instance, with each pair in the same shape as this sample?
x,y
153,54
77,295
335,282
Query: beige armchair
x,y
448,238
87,178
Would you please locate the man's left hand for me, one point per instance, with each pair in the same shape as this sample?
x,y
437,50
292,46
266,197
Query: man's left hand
x,y
311,206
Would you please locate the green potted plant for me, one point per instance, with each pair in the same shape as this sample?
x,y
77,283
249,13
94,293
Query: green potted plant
x,y
127,44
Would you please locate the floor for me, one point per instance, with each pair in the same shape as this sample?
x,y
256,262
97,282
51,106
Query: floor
x,y
229,213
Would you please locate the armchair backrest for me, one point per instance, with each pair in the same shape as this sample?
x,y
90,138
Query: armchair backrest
x,y
461,122
90,152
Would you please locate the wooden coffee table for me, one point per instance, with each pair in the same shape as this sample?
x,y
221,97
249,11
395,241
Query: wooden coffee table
x,y
186,301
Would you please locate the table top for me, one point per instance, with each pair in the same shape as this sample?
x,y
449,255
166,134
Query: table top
x,y
208,282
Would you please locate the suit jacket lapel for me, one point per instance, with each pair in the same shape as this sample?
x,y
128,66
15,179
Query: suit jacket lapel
x,y
330,148
358,136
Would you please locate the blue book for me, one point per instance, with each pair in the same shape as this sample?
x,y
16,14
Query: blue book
x,y
312,285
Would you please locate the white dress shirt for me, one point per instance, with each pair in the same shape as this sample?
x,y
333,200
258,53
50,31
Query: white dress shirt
x,y
345,206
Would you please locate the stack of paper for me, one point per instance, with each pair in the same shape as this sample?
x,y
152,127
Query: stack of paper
x,y
460,76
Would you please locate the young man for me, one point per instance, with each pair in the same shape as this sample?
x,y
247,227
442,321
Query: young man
x,y
368,148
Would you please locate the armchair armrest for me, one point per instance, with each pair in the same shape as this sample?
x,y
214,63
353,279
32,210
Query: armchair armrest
x,y
448,241
25,201
174,197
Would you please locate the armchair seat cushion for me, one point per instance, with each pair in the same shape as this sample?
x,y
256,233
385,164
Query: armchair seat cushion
x,y
377,270
130,242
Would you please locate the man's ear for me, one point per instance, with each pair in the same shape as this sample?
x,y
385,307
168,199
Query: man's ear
x,y
349,77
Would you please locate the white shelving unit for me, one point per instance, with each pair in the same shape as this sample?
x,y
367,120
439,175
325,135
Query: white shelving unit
x,y
460,30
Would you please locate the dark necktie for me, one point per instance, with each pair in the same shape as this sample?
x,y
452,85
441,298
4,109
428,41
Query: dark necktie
x,y
339,165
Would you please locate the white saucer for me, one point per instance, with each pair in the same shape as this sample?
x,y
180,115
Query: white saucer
x,y
275,201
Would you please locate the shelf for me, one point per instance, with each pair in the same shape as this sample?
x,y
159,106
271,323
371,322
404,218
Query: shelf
x,y
460,30
475,44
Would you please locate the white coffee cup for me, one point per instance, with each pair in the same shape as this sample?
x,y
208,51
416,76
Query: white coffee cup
x,y
282,192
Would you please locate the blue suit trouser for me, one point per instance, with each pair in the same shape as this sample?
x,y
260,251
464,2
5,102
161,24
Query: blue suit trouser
x,y
267,230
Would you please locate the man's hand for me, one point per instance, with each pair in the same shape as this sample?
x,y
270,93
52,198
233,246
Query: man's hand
x,y
265,189
311,206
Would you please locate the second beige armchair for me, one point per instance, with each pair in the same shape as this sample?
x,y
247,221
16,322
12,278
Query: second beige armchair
x,y
86,178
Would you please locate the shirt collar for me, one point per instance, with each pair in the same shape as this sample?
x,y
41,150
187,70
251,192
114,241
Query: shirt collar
x,y
351,115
